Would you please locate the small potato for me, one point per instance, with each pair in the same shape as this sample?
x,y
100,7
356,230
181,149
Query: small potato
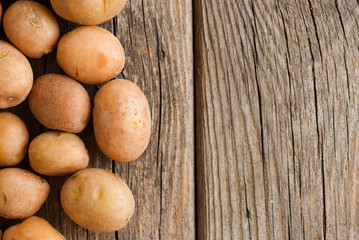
x,y
98,200
16,76
122,120
14,139
21,193
33,228
60,103
91,55
31,27
90,12
58,154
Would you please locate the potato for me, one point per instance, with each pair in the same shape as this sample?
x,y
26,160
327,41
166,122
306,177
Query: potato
x,y
91,55
16,76
21,193
31,27
122,120
90,12
60,103
33,228
14,139
98,200
58,154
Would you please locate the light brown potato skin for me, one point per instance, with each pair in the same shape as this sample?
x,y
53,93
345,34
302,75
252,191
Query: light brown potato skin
x,y
60,103
33,228
98,200
122,120
58,154
88,12
16,76
91,55
31,27
21,193
14,139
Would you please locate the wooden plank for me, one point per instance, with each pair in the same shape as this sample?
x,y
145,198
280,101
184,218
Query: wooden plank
x,y
230,179
158,43
157,36
277,115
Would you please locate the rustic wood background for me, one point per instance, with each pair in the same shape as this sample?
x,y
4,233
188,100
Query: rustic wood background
x,y
277,119
255,113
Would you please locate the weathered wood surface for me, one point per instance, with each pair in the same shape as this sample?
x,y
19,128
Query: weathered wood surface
x,y
277,119
157,38
276,115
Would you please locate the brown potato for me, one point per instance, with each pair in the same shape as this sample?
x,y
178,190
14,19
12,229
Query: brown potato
x,y
90,12
58,154
60,103
33,228
98,200
14,139
16,76
21,193
91,55
31,27
122,120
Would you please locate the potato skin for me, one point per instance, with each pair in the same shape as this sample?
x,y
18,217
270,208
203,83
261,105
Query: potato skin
x,y
122,120
14,139
16,76
31,27
88,12
60,103
91,55
21,193
33,228
98,200
58,154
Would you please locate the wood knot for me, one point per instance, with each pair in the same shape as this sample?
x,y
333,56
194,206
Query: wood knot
x,y
161,55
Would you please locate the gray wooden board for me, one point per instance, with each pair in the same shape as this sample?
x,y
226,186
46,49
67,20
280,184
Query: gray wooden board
x,y
276,119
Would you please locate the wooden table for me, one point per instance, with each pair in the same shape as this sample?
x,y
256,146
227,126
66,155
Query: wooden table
x,y
255,113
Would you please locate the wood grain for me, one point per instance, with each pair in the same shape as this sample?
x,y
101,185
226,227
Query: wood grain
x,y
159,60
276,116
157,36
276,89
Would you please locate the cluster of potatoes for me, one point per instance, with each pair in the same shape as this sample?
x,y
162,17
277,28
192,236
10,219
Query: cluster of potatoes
x,y
93,198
